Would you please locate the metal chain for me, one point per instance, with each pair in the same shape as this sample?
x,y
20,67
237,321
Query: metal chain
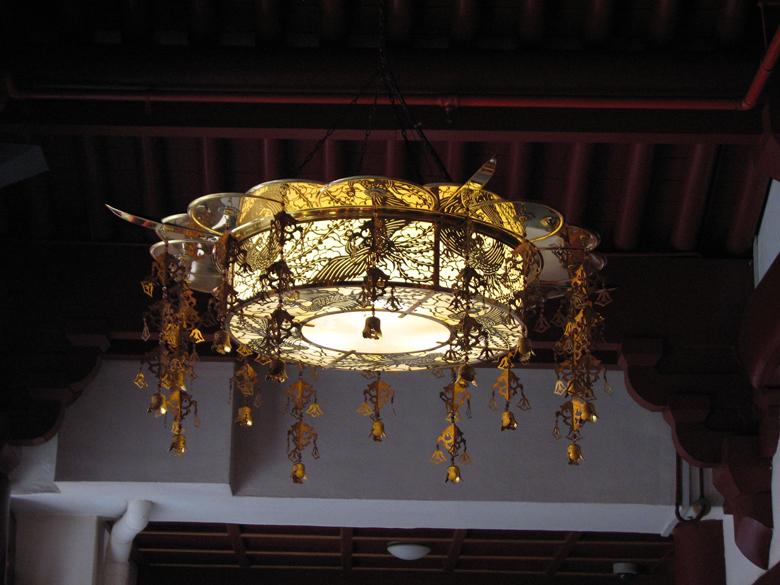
x,y
371,119
403,115
335,125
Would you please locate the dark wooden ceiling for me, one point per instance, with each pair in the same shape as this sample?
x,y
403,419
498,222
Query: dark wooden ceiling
x,y
147,106
626,115
193,552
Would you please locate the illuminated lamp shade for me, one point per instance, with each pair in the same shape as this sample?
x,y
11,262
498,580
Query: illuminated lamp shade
x,y
329,259
376,275
408,551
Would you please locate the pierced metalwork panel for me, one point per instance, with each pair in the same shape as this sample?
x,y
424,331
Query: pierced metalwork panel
x,y
249,327
378,191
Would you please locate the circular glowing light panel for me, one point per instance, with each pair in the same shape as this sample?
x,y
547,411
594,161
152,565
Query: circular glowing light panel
x,y
412,342
400,333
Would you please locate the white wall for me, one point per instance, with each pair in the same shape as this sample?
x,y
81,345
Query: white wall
x,y
767,244
57,550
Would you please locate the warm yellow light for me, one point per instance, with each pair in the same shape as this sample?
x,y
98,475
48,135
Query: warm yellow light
x,y
400,334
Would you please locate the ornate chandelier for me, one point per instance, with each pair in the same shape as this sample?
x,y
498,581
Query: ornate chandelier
x,y
376,275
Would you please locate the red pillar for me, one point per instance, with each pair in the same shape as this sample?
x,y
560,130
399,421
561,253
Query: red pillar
x,y
699,557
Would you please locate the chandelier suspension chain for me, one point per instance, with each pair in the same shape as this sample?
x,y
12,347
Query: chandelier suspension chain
x,y
335,125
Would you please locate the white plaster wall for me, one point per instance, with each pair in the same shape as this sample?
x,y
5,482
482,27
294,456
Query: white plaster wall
x,y
107,434
35,472
629,457
767,244
57,550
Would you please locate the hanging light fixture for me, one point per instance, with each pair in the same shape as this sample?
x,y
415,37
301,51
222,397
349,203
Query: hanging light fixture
x,y
376,275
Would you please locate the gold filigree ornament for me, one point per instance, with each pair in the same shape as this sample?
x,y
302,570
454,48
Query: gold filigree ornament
x,y
375,396
301,435
451,438
314,410
435,276
140,380
244,351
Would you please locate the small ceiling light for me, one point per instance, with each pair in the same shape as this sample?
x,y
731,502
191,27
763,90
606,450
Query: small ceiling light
x,y
408,551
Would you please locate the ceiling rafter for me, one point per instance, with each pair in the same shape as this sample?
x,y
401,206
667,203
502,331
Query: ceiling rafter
x,y
454,552
234,530
562,553
346,548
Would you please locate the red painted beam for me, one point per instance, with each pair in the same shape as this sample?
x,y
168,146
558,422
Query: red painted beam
x,y
272,159
632,205
759,81
465,21
152,192
333,160
598,21
394,153
663,21
399,21
269,17
532,19
731,21
488,101
334,21
699,553
744,222
694,197
576,187
399,26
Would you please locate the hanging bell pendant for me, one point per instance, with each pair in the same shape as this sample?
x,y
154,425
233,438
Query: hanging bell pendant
x,y
244,418
508,422
378,430
277,370
453,474
373,328
221,342
179,445
298,473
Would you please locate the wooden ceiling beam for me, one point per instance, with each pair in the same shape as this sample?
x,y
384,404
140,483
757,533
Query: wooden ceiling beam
x,y
452,555
234,530
346,548
634,196
668,129
562,553
694,197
